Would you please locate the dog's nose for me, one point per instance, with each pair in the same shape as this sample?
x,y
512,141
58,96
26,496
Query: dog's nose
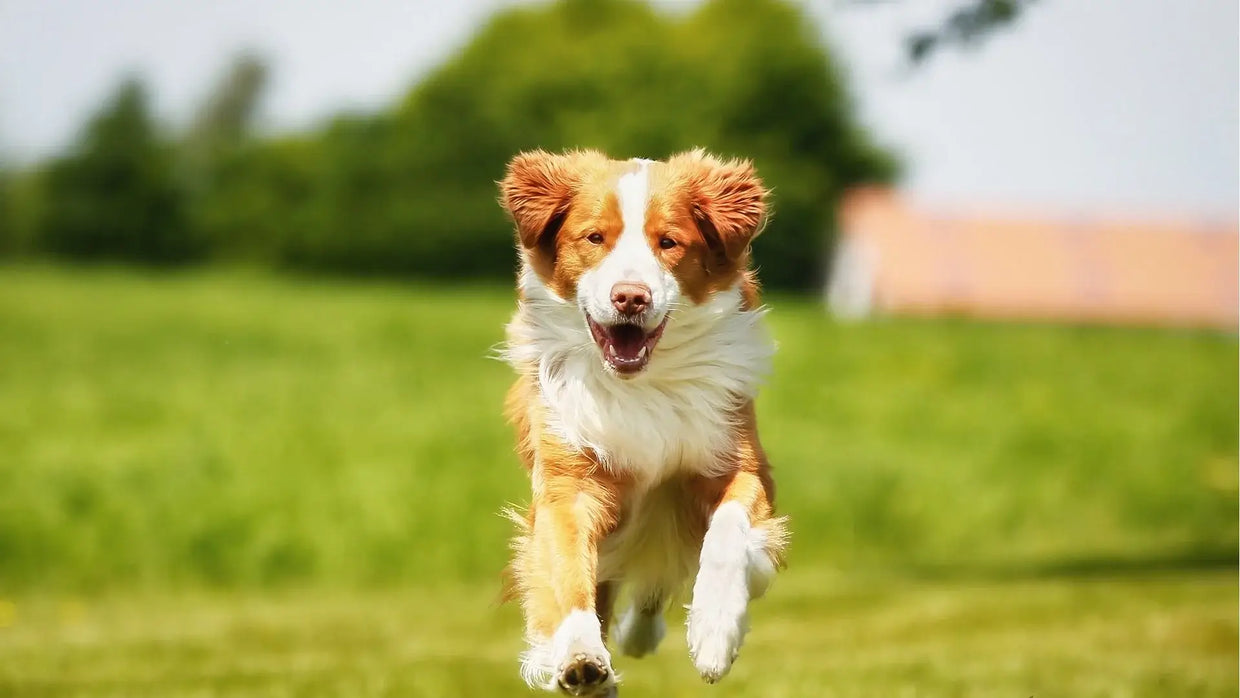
x,y
630,298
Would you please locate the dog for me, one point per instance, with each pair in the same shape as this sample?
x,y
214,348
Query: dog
x,y
639,345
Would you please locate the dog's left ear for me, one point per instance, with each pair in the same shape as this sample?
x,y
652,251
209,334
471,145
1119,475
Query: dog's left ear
x,y
726,198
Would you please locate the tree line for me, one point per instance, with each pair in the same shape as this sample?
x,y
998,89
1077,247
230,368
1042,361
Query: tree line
x,y
410,189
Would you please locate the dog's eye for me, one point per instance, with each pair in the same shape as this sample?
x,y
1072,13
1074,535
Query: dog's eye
x,y
595,238
667,243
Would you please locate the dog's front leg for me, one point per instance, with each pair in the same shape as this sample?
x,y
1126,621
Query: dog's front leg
x,y
574,507
742,548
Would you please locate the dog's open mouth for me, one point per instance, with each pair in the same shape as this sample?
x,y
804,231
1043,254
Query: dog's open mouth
x,y
626,346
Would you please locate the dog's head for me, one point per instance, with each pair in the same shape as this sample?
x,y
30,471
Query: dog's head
x,y
629,241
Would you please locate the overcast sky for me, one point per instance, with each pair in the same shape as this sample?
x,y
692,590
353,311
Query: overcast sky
x,y
1085,106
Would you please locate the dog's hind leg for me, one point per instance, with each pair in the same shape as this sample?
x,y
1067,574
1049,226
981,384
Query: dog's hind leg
x,y
641,628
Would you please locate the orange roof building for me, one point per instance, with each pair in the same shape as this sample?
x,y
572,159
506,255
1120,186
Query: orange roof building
x,y
895,259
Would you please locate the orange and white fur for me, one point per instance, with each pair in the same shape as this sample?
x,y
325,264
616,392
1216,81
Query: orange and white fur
x,y
639,345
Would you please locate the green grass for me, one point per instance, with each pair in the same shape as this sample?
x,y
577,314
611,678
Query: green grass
x,y
256,485
1149,636
244,430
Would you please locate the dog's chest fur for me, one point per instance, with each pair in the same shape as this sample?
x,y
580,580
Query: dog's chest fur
x,y
677,415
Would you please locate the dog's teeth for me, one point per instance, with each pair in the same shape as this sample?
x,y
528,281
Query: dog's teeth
x,y
611,350
642,354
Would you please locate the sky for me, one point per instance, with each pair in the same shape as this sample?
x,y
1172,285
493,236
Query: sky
x,y
1083,107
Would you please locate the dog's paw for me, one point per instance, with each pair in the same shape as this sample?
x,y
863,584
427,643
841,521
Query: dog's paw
x,y
717,622
573,660
582,664
639,632
714,642
586,675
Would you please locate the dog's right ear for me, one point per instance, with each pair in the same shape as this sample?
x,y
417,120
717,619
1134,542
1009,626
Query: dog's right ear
x,y
537,191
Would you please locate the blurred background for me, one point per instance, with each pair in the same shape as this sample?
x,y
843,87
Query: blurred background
x,y
252,274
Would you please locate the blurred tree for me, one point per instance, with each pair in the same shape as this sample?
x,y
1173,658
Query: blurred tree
x,y
7,243
413,191
265,198
114,195
216,151
22,209
225,119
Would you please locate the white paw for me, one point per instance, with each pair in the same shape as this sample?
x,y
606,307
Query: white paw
x,y
717,626
639,632
574,660
718,614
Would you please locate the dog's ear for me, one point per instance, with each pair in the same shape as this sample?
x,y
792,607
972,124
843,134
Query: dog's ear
x,y
726,198
537,191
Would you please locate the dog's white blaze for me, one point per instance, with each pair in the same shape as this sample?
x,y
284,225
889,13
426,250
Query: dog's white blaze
x,y
631,259
633,192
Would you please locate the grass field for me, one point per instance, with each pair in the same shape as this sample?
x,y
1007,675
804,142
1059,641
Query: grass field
x,y
222,483
1147,636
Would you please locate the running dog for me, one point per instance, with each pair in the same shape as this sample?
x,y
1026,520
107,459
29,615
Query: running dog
x,y
639,345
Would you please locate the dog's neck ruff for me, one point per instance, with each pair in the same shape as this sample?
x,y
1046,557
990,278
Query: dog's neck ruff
x,y
677,414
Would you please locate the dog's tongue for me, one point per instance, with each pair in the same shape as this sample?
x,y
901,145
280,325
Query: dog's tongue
x,y
627,340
